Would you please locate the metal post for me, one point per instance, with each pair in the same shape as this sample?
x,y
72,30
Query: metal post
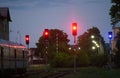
x,y
46,44
57,42
29,61
74,53
110,54
23,53
28,47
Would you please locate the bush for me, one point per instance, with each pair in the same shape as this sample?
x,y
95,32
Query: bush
x,y
82,59
117,59
98,60
62,60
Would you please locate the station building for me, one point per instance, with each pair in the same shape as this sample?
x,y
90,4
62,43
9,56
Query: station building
x,y
4,23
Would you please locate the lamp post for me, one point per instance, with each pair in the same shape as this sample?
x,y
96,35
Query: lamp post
x,y
19,36
110,38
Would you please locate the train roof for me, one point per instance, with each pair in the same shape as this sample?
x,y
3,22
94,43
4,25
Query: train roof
x,y
11,44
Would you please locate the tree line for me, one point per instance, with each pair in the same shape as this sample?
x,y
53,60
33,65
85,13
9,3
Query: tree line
x,y
86,56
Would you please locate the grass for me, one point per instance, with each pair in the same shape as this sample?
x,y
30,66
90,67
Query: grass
x,y
82,72
92,72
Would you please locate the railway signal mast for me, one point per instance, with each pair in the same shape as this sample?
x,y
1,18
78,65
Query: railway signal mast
x,y
46,37
110,38
74,33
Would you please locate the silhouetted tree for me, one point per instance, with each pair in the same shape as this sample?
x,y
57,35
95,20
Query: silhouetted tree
x,y
85,43
54,34
115,11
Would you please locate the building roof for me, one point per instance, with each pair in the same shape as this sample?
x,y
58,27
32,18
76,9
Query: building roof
x,y
4,13
11,44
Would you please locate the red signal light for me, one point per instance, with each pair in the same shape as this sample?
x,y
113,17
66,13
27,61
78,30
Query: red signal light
x,y
27,39
46,34
74,29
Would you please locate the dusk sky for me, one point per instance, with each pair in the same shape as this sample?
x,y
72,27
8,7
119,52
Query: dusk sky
x,y
33,16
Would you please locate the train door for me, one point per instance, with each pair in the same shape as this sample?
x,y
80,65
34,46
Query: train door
x,y
15,58
1,58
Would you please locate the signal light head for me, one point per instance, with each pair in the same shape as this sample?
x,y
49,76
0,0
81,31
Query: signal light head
x,y
46,34
74,29
110,35
27,39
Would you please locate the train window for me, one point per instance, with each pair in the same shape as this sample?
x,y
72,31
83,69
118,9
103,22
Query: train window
x,y
6,52
12,53
19,53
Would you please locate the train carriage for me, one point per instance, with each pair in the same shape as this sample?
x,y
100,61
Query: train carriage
x,y
13,58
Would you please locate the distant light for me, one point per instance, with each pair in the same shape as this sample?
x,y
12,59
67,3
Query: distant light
x,y
92,36
70,48
94,41
79,48
97,45
93,48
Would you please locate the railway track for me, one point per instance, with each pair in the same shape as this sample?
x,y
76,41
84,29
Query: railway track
x,y
58,74
39,74
51,74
